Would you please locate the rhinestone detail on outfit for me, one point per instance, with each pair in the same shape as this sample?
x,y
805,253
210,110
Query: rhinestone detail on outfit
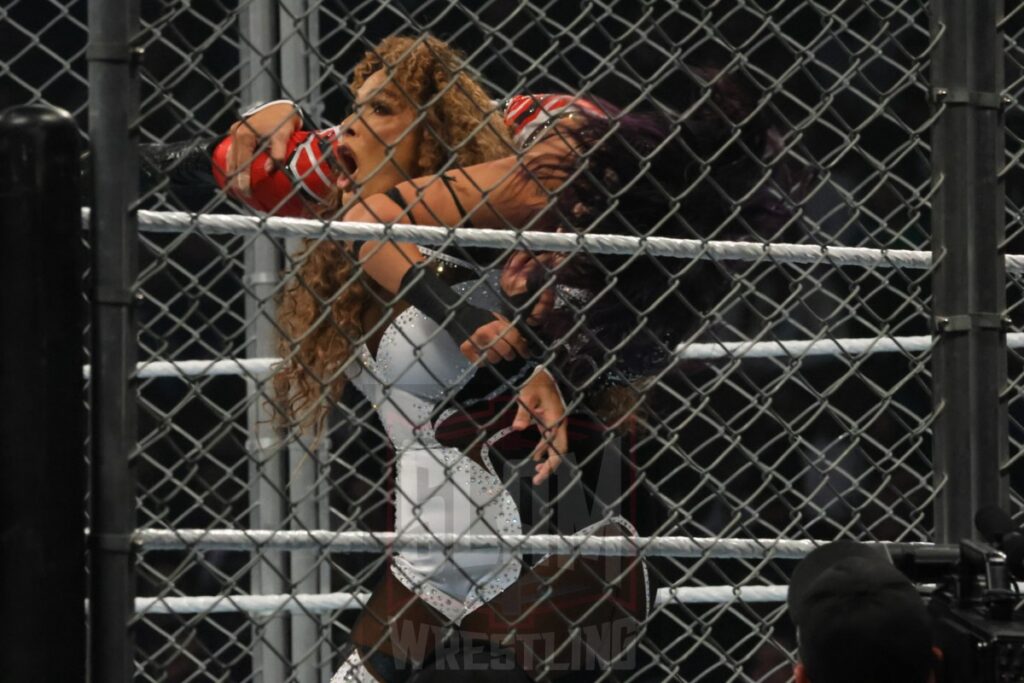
x,y
353,671
440,490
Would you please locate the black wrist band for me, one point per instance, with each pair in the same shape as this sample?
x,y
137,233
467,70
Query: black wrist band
x,y
520,306
426,291
518,303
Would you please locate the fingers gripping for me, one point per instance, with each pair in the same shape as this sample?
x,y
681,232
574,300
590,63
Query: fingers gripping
x,y
498,340
541,402
274,123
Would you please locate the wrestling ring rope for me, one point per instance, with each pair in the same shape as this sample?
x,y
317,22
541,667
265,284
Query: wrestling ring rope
x,y
359,541
273,226
331,602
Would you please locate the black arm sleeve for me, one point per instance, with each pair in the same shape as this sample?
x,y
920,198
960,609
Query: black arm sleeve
x,y
181,168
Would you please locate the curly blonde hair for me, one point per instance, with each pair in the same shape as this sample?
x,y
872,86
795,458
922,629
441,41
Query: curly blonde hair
x,y
322,309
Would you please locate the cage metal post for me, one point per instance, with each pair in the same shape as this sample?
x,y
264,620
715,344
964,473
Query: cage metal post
x,y
969,362
307,488
114,97
42,478
268,469
299,24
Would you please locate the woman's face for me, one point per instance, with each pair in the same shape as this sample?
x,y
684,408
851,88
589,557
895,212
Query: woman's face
x,y
379,144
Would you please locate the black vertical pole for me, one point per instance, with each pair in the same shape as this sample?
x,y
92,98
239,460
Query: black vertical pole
x,y
113,106
969,363
42,423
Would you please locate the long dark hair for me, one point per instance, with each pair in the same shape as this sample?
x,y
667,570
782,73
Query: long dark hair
x,y
704,176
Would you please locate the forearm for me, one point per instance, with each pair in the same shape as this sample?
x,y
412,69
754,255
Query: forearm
x,y
394,266
178,165
494,194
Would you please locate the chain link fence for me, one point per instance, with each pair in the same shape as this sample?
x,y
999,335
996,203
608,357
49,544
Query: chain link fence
x,y
765,442
1013,28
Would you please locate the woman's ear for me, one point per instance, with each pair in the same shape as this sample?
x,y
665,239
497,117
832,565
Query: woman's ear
x,y
800,674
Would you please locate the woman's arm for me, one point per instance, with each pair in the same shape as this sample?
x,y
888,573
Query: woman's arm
x,y
497,194
273,122
480,334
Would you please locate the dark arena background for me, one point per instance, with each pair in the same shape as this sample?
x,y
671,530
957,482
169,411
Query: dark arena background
x,y
852,369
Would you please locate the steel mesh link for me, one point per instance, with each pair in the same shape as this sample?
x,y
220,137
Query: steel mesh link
x,y
1013,31
43,56
787,447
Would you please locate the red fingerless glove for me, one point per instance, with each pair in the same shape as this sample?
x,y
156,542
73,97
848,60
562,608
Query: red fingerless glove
x,y
307,179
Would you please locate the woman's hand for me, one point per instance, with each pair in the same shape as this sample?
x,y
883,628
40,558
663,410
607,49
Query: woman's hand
x,y
522,266
501,339
540,401
517,274
274,122
498,340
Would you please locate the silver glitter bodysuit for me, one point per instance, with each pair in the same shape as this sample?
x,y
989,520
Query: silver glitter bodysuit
x,y
439,490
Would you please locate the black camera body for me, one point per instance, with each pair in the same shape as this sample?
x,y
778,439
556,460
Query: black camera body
x,y
974,609
977,648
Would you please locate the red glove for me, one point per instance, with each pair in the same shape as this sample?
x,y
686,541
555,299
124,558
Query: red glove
x,y
306,181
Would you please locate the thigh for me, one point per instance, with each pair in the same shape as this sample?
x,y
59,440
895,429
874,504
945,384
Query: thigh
x,y
568,614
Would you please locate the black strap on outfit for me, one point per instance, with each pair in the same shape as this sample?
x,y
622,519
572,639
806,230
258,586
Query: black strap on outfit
x,y
466,221
396,196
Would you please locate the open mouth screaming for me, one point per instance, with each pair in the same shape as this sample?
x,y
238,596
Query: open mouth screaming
x,y
346,166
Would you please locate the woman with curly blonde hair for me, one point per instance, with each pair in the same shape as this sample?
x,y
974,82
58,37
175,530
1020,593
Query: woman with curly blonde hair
x,y
417,112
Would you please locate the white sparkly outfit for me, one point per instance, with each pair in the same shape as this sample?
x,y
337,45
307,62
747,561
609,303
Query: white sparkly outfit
x,y
439,490
418,366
